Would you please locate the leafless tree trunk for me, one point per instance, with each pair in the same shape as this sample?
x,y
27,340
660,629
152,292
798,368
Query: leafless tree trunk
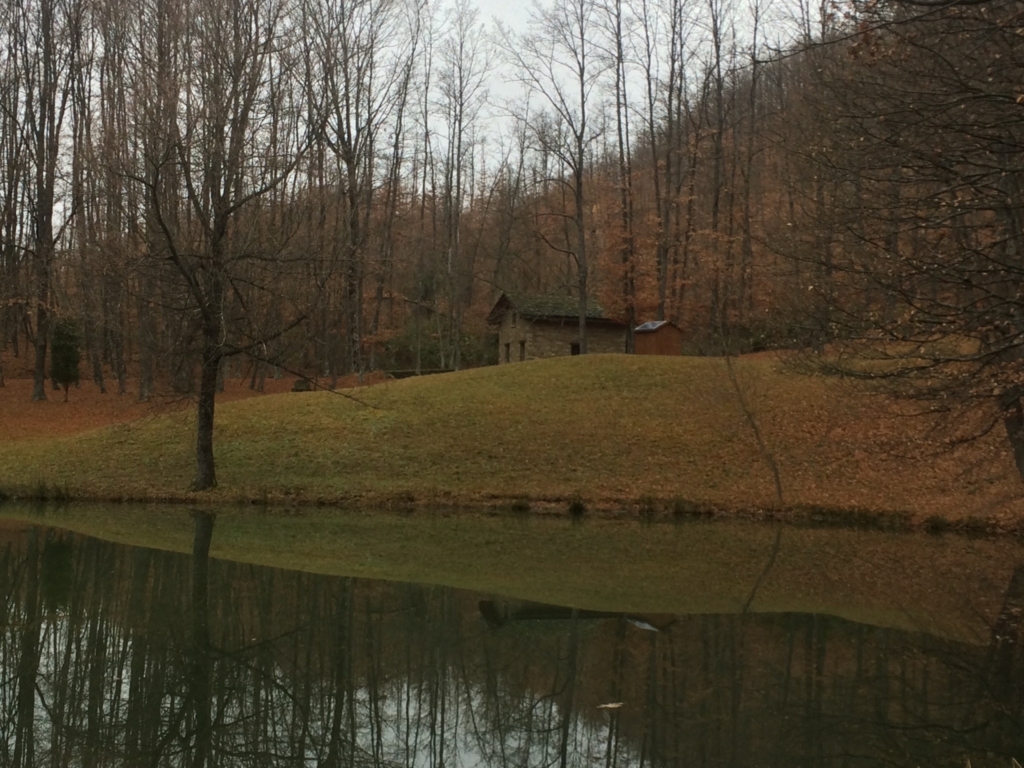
x,y
360,55
625,163
13,163
48,36
464,69
221,60
559,62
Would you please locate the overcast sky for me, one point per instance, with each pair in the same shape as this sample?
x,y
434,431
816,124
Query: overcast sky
x,y
510,12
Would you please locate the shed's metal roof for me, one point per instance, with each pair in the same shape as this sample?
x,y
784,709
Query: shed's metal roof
x,y
652,325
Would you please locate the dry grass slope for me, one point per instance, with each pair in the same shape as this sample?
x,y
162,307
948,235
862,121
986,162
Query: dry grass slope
x,y
612,430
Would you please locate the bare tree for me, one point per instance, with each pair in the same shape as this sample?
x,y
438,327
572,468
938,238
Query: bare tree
x,y
465,65
13,157
47,36
231,65
618,37
558,61
920,204
358,69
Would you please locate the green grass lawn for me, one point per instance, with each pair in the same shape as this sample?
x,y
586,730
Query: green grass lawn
x,y
615,431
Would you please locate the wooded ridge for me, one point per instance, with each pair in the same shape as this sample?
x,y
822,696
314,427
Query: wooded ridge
x,y
200,184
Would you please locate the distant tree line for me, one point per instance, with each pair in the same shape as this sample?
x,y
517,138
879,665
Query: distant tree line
x,y
216,187
331,188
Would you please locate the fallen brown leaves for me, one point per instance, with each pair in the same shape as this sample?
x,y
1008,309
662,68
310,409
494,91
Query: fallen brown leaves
x,y
88,409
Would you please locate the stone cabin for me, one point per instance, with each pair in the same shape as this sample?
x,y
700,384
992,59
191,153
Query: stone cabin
x,y
532,327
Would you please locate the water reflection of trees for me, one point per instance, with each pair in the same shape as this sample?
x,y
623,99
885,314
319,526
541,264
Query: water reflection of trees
x,y
118,656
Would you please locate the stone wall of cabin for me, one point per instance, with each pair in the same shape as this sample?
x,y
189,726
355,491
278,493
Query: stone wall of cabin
x,y
552,339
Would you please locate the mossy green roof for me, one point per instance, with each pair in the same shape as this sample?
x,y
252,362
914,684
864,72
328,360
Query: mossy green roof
x,y
533,306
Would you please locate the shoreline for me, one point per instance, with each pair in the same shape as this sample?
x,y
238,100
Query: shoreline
x,y
643,511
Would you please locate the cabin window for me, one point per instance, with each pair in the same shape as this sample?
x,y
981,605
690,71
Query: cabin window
x,y
515,317
574,348
522,351
508,351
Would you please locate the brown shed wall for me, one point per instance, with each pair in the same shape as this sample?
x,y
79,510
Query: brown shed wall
x,y
667,340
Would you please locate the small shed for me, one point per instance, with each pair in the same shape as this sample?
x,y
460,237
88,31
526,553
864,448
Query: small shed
x,y
657,337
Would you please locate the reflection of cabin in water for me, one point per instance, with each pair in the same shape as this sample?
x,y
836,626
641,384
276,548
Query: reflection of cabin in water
x,y
531,327
658,337
500,612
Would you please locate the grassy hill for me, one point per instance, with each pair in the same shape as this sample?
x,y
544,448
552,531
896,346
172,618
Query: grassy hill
x,y
644,434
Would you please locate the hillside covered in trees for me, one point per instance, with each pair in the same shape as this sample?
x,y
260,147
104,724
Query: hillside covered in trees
x,y
214,187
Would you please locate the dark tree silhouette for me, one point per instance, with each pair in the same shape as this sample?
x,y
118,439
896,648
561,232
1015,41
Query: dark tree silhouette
x,y
918,236
65,354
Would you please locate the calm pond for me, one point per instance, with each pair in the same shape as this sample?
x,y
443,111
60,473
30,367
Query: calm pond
x,y
112,654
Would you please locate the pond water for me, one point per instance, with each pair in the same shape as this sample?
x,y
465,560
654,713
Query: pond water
x,y
119,655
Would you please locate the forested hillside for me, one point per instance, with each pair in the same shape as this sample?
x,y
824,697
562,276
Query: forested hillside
x,y
221,186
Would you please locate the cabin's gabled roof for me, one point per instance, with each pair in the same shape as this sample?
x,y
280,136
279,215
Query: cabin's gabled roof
x,y
545,307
